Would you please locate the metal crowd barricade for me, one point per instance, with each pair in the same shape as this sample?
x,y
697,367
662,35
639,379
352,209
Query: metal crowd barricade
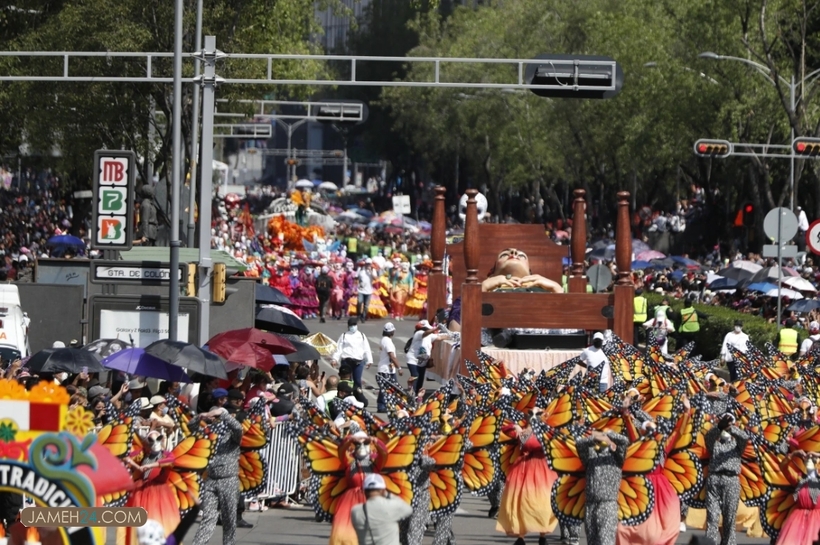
x,y
284,461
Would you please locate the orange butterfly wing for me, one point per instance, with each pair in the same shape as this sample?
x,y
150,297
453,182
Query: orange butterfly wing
x,y
683,469
660,406
559,411
323,456
776,510
562,455
445,485
327,491
116,437
636,499
479,470
252,472
191,457
398,483
569,498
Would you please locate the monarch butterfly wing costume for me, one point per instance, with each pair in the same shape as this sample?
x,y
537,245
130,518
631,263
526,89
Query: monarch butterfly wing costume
x,y
179,412
493,368
402,446
636,496
480,469
569,491
253,468
682,467
776,507
190,458
446,477
395,398
118,437
328,467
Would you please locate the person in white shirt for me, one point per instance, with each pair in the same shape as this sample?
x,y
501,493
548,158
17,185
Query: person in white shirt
x,y
353,350
593,358
814,336
364,278
388,363
377,519
423,329
737,339
802,227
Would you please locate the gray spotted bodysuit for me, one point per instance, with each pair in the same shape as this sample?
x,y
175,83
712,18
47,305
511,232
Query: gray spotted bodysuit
x,y
604,473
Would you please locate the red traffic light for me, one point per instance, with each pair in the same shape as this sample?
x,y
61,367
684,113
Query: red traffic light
x,y
806,147
749,209
713,148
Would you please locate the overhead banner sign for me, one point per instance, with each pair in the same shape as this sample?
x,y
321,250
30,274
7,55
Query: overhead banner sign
x,y
114,179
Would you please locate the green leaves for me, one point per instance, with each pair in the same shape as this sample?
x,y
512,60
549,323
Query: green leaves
x,y
7,432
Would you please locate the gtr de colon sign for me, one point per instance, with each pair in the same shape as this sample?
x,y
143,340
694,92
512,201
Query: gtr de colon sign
x,y
52,456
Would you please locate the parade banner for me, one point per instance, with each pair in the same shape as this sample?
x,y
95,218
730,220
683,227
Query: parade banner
x,y
52,456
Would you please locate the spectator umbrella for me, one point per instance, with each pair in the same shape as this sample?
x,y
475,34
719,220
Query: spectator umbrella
x,y
188,356
64,360
135,361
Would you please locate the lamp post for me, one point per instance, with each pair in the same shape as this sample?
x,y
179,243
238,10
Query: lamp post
x,y
769,75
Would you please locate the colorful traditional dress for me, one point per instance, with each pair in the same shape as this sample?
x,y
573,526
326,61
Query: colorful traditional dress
x,y
417,302
803,524
153,493
526,504
304,296
337,300
401,285
342,531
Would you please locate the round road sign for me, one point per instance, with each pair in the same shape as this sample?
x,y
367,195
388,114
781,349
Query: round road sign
x,y
813,237
600,277
780,225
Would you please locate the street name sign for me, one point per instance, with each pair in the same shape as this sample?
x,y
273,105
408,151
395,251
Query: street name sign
x,y
124,272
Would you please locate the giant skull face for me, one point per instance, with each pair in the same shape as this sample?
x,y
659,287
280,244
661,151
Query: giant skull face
x,y
481,205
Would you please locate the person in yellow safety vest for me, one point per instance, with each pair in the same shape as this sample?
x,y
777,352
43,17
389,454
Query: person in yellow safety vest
x,y
663,307
689,323
640,314
787,339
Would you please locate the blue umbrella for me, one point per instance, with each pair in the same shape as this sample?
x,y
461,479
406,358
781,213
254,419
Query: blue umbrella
x,y
135,361
761,286
65,240
637,265
676,275
723,284
803,305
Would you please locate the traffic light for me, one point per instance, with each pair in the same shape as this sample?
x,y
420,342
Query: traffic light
x,y
713,148
190,286
218,282
574,76
806,147
748,215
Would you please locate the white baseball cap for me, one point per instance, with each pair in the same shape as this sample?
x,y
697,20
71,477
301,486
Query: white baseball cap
x,y
374,481
597,336
389,327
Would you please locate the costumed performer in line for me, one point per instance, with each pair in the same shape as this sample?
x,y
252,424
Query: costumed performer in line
x,y
603,455
725,444
526,503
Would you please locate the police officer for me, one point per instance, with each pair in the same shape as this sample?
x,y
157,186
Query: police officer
x,y
640,313
787,339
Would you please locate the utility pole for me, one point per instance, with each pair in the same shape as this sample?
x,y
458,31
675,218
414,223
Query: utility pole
x,y
194,132
173,296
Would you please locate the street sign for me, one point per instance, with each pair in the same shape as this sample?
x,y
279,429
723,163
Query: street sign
x,y
401,204
813,237
114,177
785,251
600,277
125,272
780,225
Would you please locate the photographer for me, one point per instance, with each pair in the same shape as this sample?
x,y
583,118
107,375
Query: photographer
x,y
377,520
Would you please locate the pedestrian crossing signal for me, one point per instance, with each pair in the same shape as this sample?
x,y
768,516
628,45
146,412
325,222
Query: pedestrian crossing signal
x,y
713,148
807,147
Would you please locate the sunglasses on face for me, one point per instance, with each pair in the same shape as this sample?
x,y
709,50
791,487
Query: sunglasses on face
x,y
362,442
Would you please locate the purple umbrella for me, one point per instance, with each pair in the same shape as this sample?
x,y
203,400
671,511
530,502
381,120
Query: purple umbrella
x,y
135,361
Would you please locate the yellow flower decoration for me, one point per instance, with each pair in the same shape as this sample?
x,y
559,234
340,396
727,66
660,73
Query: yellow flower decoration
x,y
11,389
48,392
79,421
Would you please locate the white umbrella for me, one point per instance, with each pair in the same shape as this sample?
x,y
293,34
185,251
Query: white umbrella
x,y
747,265
711,277
304,184
800,284
785,292
328,186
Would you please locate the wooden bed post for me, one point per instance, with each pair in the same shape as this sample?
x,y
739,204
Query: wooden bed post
x,y
577,281
624,288
471,317
437,281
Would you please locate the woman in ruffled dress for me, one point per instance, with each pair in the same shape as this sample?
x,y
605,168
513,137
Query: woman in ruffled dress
x,y
304,293
417,302
401,286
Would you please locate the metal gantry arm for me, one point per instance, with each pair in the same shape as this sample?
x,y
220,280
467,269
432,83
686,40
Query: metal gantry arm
x,y
513,79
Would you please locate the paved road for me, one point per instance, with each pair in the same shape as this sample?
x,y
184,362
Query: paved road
x,y
296,525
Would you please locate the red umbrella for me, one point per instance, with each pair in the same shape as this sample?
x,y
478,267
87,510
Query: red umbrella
x,y
250,346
